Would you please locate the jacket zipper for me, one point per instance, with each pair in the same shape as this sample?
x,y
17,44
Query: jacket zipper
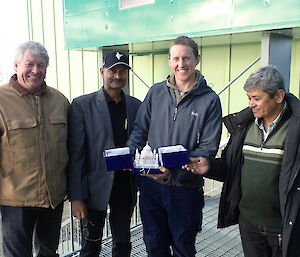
x,y
175,113
42,153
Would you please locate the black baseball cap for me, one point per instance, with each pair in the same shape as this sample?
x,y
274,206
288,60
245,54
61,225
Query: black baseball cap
x,y
114,58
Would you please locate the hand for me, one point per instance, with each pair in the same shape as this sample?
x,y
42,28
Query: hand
x,y
165,174
199,165
79,209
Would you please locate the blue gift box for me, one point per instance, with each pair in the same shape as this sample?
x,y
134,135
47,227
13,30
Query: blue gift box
x,y
118,159
173,156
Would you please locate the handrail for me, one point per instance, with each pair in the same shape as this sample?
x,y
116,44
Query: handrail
x,y
139,78
240,74
226,86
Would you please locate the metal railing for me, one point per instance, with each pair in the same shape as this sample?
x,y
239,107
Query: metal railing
x,y
70,234
239,75
70,237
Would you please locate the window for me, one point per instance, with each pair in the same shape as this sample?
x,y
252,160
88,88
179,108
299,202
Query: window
x,y
131,3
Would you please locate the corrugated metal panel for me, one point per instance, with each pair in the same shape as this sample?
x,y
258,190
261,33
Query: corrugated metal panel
x,y
241,56
295,68
73,73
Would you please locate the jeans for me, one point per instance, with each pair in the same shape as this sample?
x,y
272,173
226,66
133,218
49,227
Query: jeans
x,y
260,241
171,217
21,224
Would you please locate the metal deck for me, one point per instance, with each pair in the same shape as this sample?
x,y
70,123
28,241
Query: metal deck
x,y
211,242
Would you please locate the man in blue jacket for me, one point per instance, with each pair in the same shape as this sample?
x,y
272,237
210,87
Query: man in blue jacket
x,y
260,168
99,121
180,110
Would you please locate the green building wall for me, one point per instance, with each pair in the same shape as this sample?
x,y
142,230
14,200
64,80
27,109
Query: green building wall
x,y
76,72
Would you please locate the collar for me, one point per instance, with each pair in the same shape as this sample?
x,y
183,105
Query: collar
x,y
171,83
23,91
266,133
109,99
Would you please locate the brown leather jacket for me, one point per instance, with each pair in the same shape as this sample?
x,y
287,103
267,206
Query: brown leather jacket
x,y
33,150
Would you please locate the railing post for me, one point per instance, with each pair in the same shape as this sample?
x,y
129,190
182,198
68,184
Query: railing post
x,y
71,228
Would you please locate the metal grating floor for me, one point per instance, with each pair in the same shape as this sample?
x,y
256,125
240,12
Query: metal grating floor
x,y
211,242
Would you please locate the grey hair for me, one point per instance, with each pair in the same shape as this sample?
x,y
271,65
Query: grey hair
x,y
36,47
266,78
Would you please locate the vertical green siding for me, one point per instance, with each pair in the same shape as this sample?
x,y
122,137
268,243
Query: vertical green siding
x,y
76,74
295,68
142,65
72,72
90,66
161,67
37,20
241,56
215,68
62,56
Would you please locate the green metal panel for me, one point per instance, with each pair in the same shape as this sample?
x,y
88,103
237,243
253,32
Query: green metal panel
x,y
215,68
37,20
93,23
76,73
143,66
241,56
62,57
295,68
161,67
90,67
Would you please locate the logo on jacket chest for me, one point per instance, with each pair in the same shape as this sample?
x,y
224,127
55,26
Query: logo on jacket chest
x,y
194,114
62,132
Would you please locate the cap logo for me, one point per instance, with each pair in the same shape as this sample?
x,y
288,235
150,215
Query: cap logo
x,y
118,55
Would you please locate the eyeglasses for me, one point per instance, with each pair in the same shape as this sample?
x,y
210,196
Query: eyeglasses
x,y
86,226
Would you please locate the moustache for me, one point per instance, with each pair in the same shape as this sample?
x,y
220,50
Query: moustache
x,y
118,80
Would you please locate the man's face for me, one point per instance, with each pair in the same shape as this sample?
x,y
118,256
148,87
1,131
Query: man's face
x,y
31,71
183,62
264,105
115,78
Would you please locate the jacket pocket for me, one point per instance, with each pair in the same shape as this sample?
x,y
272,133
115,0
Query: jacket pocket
x,y
22,132
59,131
59,124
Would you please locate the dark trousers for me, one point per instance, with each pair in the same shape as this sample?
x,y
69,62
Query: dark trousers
x,y
121,209
171,216
259,241
20,224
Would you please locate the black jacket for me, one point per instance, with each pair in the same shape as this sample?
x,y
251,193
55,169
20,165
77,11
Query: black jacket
x,y
228,169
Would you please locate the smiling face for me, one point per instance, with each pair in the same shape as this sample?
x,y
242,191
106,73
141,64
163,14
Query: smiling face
x,y
31,70
264,105
183,62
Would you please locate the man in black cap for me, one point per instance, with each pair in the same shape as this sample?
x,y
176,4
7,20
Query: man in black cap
x,y
99,121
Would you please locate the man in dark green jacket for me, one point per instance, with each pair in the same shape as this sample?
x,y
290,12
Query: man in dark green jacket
x,y
260,169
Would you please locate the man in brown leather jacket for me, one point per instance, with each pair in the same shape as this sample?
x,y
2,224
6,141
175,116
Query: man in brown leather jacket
x,y
33,131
